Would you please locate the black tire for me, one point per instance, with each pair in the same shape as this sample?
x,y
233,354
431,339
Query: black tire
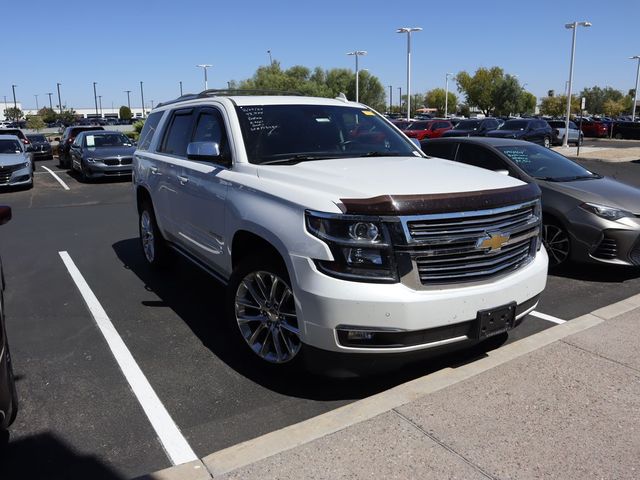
x,y
618,136
557,243
84,178
271,339
154,246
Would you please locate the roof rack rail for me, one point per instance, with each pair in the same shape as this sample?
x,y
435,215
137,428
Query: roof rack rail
x,y
228,92
237,91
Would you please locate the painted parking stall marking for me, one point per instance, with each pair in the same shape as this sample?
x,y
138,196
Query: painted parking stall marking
x,y
60,181
172,440
546,317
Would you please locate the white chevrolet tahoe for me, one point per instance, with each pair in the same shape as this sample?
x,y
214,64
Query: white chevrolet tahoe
x,y
340,242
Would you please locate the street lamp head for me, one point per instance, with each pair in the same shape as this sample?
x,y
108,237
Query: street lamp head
x,y
204,65
357,52
635,57
408,29
573,25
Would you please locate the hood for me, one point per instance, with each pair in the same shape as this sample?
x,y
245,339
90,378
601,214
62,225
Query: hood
x,y
604,191
375,176
460,133
108,152
7,159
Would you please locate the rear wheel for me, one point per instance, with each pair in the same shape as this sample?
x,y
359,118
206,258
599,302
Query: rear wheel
x,y
556,241
153,244
618,136
261,312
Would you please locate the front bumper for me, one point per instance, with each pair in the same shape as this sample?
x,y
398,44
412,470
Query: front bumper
x,y
597,240
100,170
324,304
22,176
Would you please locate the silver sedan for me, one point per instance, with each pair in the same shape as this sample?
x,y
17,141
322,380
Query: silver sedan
x,y
16,166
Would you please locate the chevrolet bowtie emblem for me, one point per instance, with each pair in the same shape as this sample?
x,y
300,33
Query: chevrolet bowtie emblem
x,y
493,241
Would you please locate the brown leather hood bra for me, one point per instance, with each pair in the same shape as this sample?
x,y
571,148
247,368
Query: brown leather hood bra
x,y
440,202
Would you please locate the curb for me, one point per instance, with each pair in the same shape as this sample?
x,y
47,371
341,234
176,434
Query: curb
x,y
292,436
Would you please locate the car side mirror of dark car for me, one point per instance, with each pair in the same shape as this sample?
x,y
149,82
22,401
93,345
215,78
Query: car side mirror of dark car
x,y
206,152
5,214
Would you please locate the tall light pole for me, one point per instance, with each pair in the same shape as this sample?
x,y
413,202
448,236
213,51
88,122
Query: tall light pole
x,y
446,94
15,104
390,98
357,53
50,104
37,106
95,96
128,92
142,97
59,100
571,26
204,66
270,57
408,31
399,98
100,102
180,87
635,95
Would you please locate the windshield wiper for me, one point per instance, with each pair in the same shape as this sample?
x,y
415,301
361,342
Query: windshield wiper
x,y
578,177
296,159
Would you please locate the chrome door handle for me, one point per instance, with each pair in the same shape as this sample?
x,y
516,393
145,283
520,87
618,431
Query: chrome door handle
x,y
153,170
182,179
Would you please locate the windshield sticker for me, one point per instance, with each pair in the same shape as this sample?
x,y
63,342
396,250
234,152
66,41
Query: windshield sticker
x,y
368,112
91,141
519,156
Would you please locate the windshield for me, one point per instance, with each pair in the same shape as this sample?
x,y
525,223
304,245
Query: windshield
x,y
515,125
294,133
545,164
36,138
10,146
103,140
467,125
418,126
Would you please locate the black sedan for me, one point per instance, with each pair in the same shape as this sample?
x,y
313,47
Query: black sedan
x,y
473,128
40,148
586,217
8,394
102,153
530,129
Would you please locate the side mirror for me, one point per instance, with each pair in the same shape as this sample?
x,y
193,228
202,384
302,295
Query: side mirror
x,y
204,152
5,214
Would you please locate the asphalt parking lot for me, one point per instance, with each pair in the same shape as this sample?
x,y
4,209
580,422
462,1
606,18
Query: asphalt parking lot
x,y
79,417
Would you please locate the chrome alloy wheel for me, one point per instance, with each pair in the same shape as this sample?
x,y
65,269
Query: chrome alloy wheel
x,y
266,316
556,242
146,236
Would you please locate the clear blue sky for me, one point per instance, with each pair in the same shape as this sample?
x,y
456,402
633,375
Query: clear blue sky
x,y
119,43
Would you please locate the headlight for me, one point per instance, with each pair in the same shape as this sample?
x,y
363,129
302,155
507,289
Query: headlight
x,y
608,213
361,247
25,164
92,160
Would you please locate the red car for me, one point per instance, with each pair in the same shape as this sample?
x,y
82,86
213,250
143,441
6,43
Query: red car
x,y
593,128
427,129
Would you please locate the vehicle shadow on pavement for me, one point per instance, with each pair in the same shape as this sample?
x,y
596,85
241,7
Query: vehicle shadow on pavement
x,y
597,273
44,456
189,292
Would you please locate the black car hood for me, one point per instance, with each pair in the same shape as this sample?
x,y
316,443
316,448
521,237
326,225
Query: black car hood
x,y
460,133
107,152
603,191
506,133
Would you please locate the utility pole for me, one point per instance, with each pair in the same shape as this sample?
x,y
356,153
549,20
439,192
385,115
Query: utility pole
x,y
95,96
180,87
142,96
128,92
50,104
37,106
59,100
390,98
15,104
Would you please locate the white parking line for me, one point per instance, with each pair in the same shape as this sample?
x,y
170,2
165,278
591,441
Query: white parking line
x,y
546,317
60,181
174,443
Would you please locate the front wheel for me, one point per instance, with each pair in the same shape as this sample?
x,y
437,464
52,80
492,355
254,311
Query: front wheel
x,y
261,313
556,241
151,240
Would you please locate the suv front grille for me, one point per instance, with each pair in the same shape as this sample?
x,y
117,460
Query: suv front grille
x,y
5,172
118,161
472,246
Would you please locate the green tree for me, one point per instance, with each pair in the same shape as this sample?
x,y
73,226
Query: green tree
x,y
507,96
529,102
613,108
48,115
597,96
435,99
35,122
557,106
67,116
14,114
371,91
479,89
125,113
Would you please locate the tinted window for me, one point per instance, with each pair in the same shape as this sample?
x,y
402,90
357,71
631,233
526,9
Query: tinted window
x,y
490,124
468,125
418,126
210,128
10,146
148,130
37,138
106,140
479,157
545,164
515,125
178,134
573,125
445,150
441,125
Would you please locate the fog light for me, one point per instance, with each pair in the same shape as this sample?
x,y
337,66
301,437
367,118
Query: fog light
x,y
359,335
363,256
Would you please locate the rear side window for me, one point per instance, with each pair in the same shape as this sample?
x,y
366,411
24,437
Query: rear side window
x,y
480,157
148,131
178,134
440,149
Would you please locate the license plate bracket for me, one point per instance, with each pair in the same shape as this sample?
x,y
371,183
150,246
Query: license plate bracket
x,y
494,321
